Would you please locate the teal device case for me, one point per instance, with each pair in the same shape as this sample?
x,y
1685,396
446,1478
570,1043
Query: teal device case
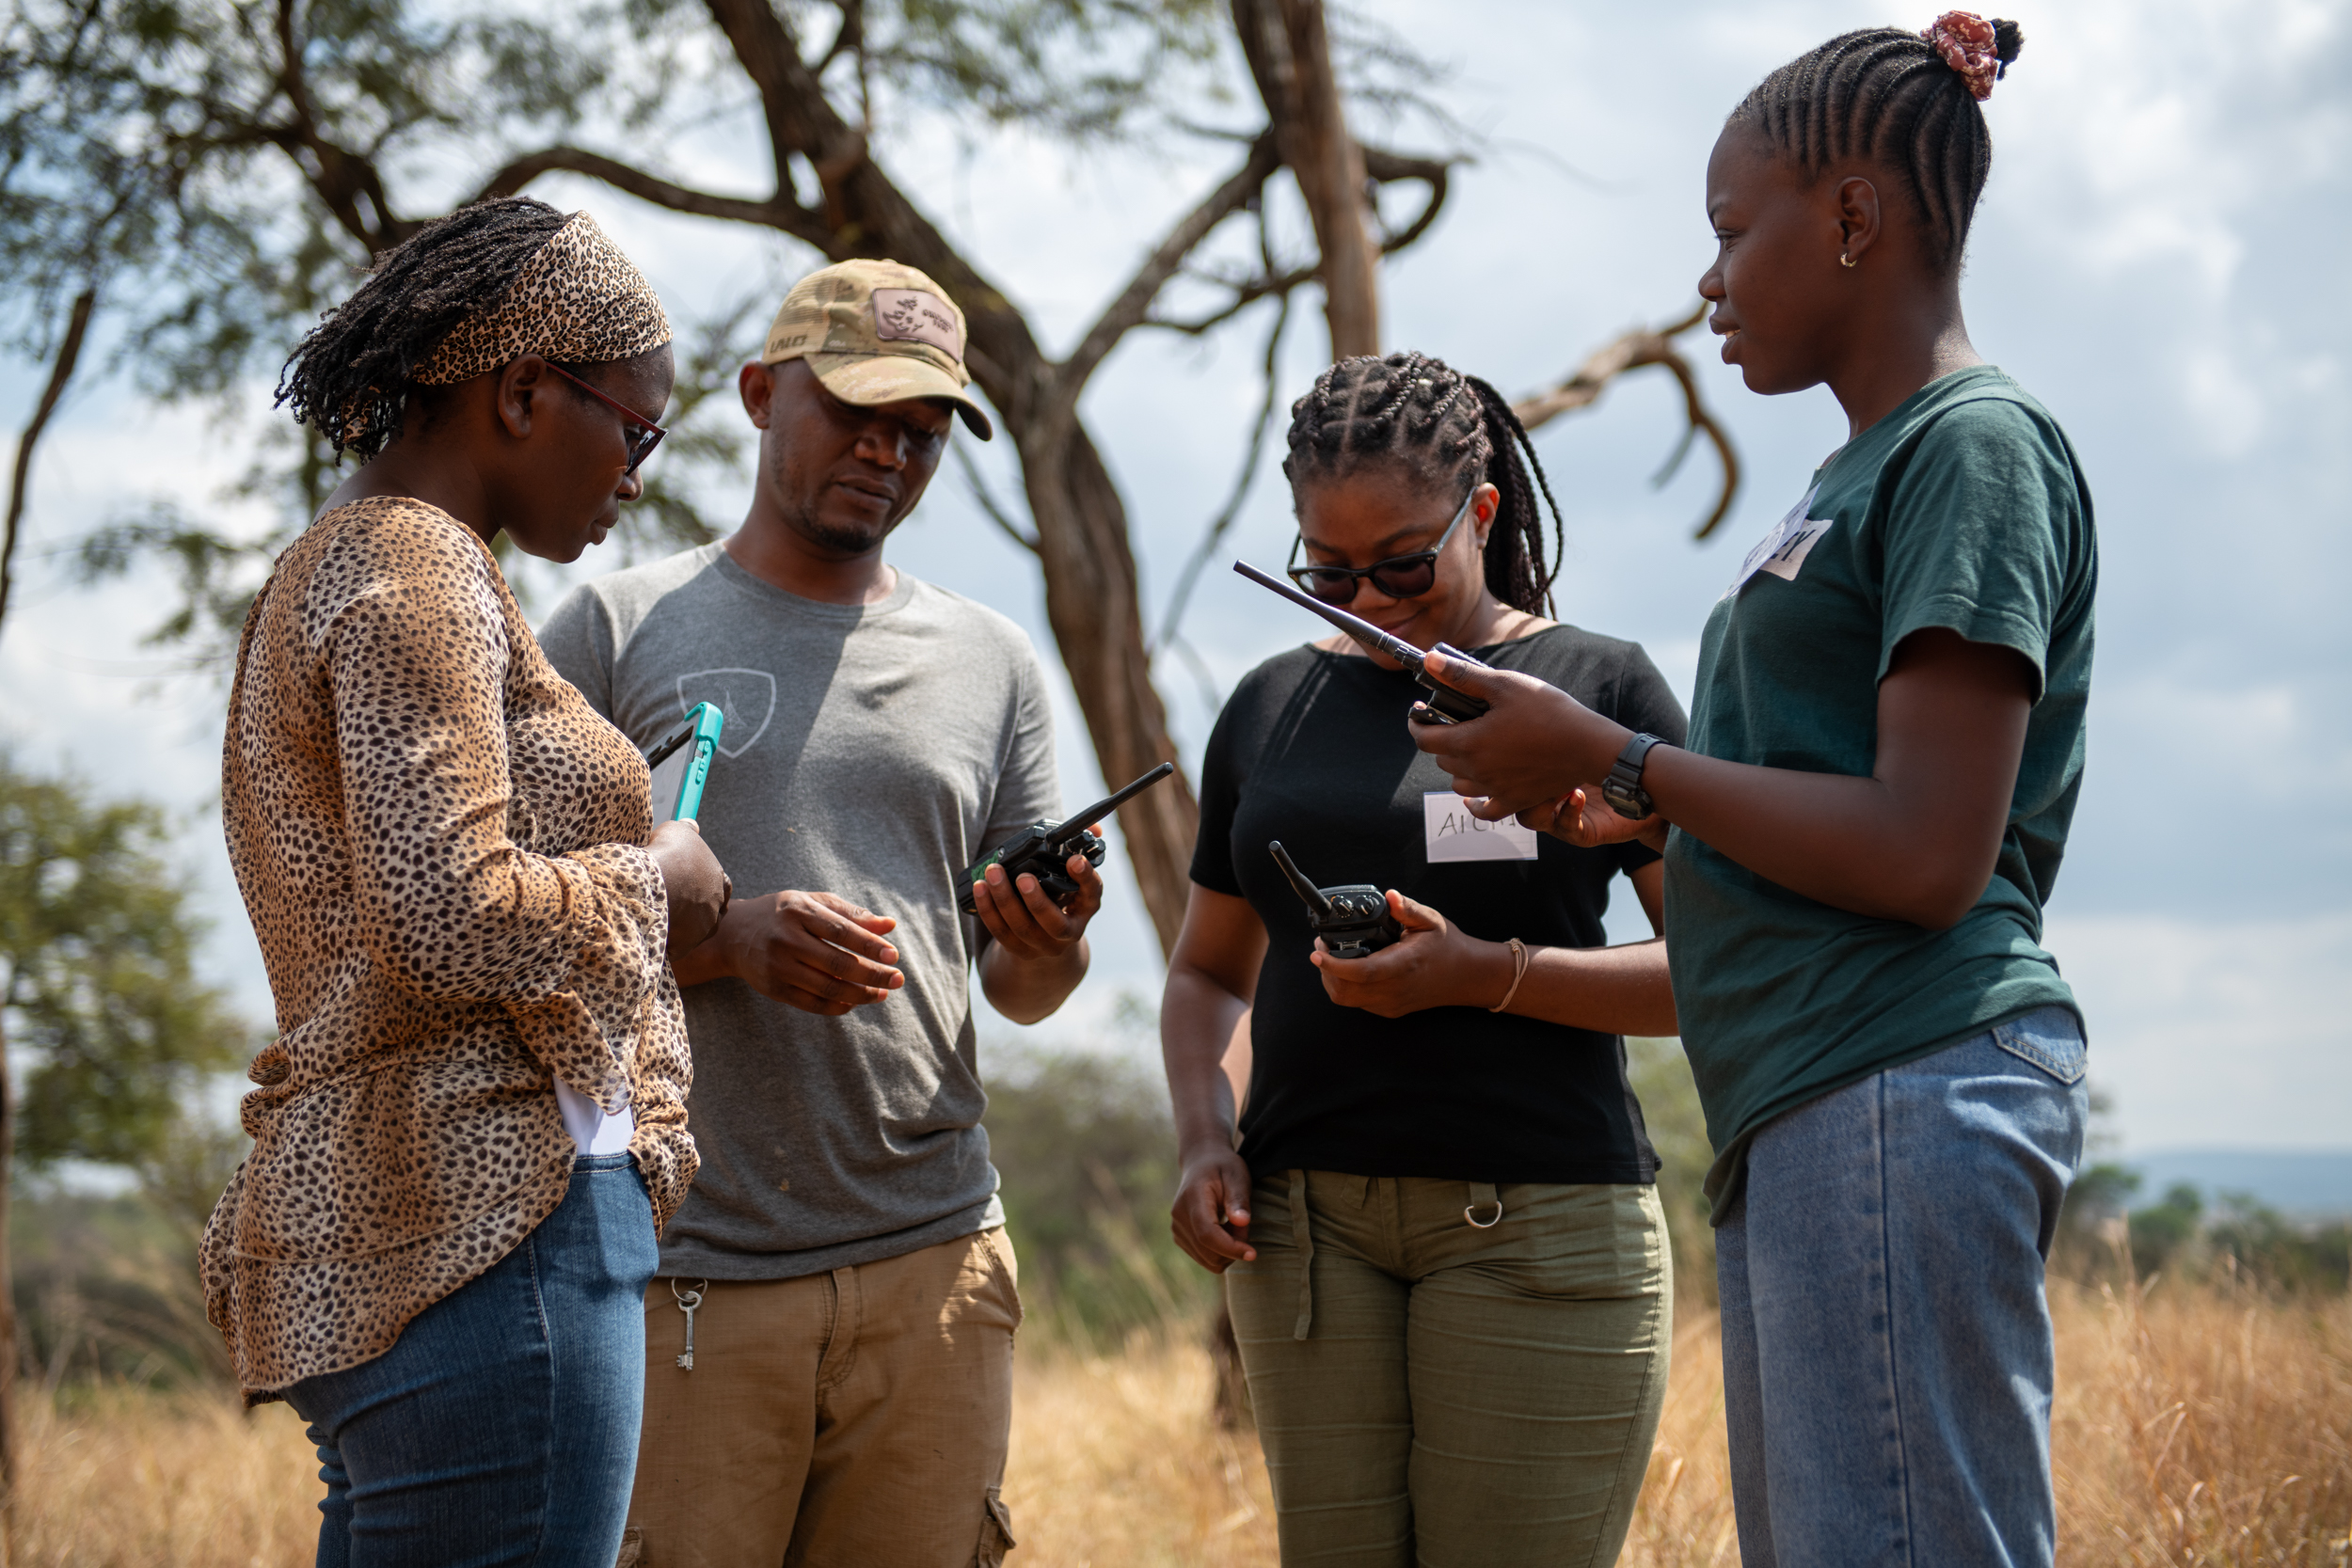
x,y
681,764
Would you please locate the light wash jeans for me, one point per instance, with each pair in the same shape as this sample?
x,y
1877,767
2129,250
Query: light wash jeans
x,y
501,1428
1886,1343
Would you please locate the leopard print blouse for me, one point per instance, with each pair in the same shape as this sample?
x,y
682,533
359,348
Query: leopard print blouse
x,y
441,847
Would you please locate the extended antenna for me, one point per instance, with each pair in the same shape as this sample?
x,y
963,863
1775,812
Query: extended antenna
x,y
1103,808
1355,626
1307,890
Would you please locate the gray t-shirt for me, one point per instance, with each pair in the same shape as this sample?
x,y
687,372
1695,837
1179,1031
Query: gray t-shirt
x,y
870,750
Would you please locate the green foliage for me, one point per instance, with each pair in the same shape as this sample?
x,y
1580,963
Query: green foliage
x,y
219,170
2237,1240
1086,1151
2254,1242
1660,1076
2161,1230
108,1026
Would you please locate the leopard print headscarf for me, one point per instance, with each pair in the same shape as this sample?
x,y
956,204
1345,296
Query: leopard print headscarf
x,y
579,301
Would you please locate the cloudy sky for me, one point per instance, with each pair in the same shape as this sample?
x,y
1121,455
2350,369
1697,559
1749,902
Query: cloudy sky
x,y
2168,200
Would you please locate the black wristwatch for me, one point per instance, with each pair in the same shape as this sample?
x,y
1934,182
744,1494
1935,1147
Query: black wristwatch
x,y
1623,788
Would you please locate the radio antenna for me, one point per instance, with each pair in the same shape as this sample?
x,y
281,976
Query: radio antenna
x,y
1363,631
1307,890
1110,803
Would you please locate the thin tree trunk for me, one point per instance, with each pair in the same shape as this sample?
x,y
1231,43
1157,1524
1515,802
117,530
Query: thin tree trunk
x,y
7,1314
1330,171
1288,46
69,354
1092,604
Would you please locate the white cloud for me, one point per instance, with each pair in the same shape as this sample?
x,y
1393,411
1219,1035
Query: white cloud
x,y
2208,1033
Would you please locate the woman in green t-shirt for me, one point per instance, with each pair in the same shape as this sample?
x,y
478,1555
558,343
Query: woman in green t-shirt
x,y
1884,753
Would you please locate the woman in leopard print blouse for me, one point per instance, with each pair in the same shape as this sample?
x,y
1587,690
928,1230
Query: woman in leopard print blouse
x,y
473,1122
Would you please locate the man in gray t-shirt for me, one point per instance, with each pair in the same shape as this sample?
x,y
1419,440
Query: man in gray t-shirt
x,y
848,1393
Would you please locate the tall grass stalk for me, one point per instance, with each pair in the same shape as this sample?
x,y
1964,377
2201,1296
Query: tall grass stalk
x,y
2194,1426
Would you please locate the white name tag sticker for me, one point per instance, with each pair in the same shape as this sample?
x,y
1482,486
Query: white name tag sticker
x,y
1453,833
1783,551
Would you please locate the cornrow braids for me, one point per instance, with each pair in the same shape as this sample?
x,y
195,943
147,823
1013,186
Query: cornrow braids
x,y
352,376
1891,97
1447,431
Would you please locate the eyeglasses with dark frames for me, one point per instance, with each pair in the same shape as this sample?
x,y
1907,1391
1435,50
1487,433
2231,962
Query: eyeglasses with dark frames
x,y
643,435
1400,577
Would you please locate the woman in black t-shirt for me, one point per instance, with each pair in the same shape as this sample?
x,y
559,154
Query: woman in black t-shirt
x,y
1443,1252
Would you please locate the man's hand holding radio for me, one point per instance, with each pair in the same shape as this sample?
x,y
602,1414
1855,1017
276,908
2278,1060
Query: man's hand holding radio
x,y
1038,953
814,951
1025,919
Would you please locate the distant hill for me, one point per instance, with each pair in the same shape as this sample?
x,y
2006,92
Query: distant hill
x,y
2300,1183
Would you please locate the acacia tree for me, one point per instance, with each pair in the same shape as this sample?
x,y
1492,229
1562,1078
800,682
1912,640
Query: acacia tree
x,y
108,1025
209,172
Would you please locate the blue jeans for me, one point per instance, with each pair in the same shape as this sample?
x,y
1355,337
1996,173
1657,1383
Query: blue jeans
x,y
1886,1342
501,1428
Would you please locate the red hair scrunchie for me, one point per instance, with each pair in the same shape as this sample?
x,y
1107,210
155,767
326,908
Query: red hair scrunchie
x,y
1966,41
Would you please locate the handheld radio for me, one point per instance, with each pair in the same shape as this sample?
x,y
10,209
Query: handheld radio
x,y
681,764
1353,921
1044,848
1443,706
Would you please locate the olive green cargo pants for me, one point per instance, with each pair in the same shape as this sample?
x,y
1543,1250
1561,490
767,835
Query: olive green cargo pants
x,y
1439,1387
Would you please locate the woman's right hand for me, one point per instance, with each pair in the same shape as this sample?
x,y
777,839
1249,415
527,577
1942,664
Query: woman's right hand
x,y
1210,1215
697,884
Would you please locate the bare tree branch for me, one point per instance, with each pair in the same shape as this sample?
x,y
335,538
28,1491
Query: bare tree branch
x,y
1631,352
69,354
1381,167
778,212
1133,305
987,497
1223,521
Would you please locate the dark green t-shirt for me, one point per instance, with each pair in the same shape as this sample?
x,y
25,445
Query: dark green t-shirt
x,y
1963,508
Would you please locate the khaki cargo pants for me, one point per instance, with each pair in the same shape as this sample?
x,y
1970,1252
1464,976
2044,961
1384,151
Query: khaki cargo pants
x,y
1450,1372
850,1420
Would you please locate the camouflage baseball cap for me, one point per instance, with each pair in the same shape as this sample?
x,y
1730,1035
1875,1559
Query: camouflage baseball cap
x,y
876,332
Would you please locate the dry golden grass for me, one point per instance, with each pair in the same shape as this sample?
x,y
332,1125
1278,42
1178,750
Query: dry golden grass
x,y
2192,1428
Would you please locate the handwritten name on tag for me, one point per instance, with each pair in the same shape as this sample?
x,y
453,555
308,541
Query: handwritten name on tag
x,y
1783,551
1453,833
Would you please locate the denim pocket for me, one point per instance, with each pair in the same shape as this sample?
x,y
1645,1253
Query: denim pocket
x,y
2050,1038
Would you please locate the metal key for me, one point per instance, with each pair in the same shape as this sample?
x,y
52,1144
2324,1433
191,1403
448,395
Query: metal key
x,y
687,1300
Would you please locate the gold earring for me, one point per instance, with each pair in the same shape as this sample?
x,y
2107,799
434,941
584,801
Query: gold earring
x,y
1844,259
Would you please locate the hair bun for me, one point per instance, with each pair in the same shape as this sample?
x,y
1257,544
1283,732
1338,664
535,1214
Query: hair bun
x,y
1979,50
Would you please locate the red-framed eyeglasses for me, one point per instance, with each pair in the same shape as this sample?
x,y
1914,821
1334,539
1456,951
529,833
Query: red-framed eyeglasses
x,y
643,435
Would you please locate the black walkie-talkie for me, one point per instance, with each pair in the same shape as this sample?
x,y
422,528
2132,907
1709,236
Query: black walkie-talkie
x,y
1443,706
1353,921
1044,848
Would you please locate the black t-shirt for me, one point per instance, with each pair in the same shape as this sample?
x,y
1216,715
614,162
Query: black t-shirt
x,y
1312,750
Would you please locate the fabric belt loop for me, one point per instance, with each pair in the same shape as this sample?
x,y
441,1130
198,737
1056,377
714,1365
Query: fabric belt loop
x,y
1483,1195
1305,1241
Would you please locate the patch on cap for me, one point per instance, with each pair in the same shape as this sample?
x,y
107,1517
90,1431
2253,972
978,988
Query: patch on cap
x,y
910,316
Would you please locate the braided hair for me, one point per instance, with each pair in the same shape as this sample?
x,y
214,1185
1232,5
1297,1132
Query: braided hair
x,y
1442,428
352,376
1891,97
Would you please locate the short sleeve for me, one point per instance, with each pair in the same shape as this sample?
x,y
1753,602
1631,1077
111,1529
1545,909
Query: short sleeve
x,y
578,640
1027,790
1220,797
1643,702
1982,532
